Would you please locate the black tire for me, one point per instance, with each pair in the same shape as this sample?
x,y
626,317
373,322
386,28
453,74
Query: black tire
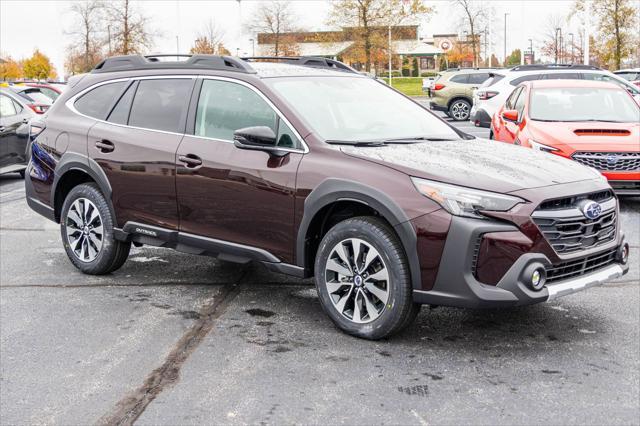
x,y
460,110
399,310
113,253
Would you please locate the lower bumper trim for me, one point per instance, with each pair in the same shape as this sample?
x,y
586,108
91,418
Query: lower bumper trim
x,y
597,278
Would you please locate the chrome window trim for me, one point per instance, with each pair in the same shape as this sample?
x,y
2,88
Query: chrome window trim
x,y
71,101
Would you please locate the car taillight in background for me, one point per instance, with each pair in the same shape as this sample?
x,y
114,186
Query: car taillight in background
x,y
486,94
39,108
438,86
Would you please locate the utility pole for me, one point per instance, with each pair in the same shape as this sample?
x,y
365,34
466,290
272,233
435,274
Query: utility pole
x,y
109,36
505,39
571,34
556,46
561,47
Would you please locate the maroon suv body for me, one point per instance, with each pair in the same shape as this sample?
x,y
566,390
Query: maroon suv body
x,y
235,163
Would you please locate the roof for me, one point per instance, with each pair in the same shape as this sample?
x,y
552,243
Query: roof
x,y
557,83
415,47
311,49
270,69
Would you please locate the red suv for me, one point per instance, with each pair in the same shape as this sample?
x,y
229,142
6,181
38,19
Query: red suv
x,y
594,123
312,169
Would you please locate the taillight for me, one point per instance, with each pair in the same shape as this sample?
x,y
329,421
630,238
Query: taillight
x,y
438,86
39,108
486,94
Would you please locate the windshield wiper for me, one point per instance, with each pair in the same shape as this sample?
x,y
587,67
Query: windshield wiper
x,y
356,143
419,138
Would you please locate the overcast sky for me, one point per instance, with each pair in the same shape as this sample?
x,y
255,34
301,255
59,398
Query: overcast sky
x,y
29,24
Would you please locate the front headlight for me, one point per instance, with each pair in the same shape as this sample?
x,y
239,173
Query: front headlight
x,y
537,146
461,201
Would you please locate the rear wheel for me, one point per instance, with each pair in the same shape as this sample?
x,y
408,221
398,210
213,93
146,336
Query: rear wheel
x,y
362,277
86,225
459,110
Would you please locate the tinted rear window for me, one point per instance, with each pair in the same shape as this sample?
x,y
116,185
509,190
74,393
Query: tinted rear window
x,y
97,102
478,78
492,80
460,78
161,104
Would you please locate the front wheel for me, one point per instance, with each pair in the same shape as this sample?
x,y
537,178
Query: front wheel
x,y
363,280
86,225
460,110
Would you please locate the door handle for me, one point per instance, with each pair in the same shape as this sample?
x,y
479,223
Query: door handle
x,y
192,161
105,146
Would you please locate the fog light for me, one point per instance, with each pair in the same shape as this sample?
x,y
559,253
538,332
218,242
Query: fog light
x,y
534,276
623,254
537,279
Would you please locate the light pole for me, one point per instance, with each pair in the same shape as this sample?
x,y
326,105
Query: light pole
x,y
571,34
253,47
531,50
109,35
505,39
556,45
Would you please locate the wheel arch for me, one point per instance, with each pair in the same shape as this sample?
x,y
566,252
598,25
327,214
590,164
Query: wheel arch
x,y
72,170
335,194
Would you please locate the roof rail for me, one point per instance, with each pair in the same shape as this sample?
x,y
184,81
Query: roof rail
x,y
553,66
305,61
150,62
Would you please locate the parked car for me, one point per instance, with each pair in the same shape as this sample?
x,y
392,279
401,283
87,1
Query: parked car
x,y
14,133
52,92
427,84
494,92
594,123
33,98
314,172
631,75
453,91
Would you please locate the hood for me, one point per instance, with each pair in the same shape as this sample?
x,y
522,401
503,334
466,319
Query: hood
x,y
562,135
477,163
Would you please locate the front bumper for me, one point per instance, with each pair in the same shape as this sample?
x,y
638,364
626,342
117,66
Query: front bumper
x,y
456,284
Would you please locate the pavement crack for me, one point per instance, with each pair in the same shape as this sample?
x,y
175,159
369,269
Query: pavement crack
x,y
131,406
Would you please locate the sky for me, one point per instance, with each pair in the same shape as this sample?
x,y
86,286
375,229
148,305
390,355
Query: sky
x,y
29,24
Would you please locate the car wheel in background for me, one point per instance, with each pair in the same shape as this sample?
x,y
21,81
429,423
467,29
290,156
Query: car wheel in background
x,y
460,110
363,280
86,226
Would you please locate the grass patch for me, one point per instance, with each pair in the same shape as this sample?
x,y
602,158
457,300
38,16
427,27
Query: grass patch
x,y
410,86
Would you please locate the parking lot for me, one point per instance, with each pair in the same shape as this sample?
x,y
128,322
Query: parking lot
x,y
178,339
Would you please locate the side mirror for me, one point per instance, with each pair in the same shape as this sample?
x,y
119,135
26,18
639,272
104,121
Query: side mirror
x,y
510,115
258,138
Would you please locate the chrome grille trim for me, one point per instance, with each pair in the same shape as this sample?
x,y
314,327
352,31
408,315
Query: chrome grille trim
x,y
624,161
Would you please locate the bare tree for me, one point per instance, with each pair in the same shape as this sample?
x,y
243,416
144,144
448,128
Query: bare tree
x,y
366,18
85,50
474,16
275,18
209,40
130,28
551,33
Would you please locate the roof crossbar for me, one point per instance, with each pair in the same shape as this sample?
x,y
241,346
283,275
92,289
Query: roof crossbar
x,y
305,61
536,67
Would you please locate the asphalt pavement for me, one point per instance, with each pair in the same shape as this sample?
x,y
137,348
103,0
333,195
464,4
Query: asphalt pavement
x,y
172,338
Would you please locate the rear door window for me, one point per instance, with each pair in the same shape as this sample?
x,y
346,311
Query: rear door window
x,y
224,107
460,78
120,113
161,104
478,78
98,102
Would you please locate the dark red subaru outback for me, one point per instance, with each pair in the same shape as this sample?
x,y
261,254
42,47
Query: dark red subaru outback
x,y
315,170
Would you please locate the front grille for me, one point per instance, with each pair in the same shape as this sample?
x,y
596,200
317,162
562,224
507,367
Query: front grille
x,y
632,185
568,202
568,230
609,161
576,268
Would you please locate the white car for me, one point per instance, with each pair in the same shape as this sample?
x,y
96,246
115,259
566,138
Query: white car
x,y
494,92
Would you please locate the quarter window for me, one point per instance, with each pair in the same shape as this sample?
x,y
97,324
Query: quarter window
x,y
97,102
161,104
478,78
224,107
286,137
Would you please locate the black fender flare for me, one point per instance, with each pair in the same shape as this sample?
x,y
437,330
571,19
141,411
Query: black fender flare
x,y
74,161
332,190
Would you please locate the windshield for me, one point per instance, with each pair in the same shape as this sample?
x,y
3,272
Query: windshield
x,y
583,104
357,109
629,75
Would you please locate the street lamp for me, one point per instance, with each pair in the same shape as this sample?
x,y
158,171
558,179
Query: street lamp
x,y
556,45
505,38
571,34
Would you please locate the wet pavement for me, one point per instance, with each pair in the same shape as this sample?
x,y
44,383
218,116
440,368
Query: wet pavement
x,y
172,338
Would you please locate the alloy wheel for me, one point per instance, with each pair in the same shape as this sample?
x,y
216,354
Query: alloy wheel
x,y
84,229
460,110
357,280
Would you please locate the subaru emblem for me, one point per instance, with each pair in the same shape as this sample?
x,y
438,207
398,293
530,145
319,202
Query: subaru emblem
x,y
612,159
591,209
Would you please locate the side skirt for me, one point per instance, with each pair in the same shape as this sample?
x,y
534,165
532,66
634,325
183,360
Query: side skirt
x,y
195,244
